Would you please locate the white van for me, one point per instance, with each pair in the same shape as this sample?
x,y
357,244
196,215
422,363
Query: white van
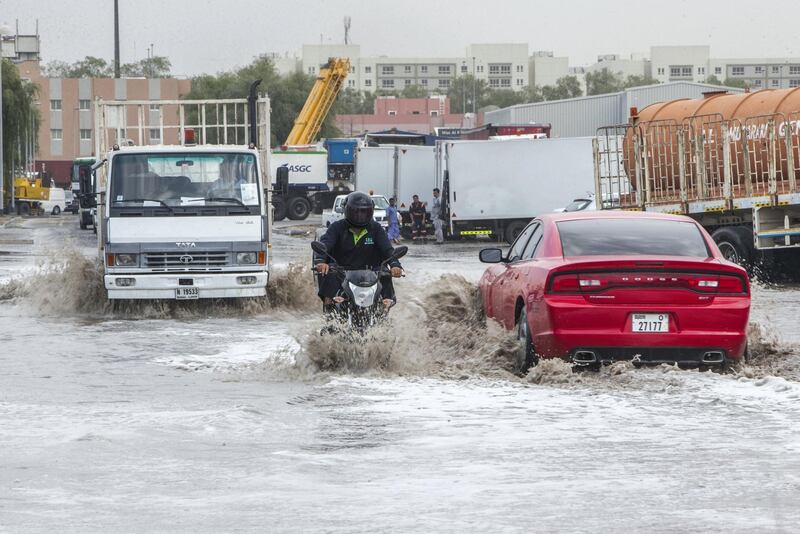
x,y
57,203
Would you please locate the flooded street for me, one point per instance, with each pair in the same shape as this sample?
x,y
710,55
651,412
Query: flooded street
x,y
200,419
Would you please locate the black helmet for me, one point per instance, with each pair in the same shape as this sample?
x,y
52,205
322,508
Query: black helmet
x,y
358,209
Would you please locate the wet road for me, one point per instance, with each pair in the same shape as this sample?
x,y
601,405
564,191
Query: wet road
x,y
197,419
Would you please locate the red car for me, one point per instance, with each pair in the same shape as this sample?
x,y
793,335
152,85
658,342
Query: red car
x,y
598,287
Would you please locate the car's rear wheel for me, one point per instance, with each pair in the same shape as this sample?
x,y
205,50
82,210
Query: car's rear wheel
x,y
56,210
526,355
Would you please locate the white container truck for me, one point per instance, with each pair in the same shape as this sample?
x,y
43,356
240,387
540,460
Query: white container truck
x,y
187,220
496,187
399,171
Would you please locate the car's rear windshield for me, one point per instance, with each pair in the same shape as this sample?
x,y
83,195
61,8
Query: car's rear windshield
x,y
631,236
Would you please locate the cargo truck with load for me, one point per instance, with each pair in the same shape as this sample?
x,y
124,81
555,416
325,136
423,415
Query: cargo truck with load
x,y
730,161
186,218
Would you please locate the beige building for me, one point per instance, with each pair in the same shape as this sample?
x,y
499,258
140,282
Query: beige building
x,y
66,107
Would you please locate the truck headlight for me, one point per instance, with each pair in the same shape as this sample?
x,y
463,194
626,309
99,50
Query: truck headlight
x,y
246,258
125,260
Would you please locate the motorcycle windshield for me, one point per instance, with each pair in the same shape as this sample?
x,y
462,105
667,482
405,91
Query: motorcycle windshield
x,y
362,278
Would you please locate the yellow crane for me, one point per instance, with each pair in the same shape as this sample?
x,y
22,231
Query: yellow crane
x,y
323,95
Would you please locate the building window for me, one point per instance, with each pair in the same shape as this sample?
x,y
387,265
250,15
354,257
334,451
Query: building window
x,y
55,135
494,69
387,69
701,70
351,83
759,70
519,82
311,70
155,134
84,104
86,134
774,83
407,68
408,83
368,69
775,69
505,82
55,105
444,69
463,69
367,83
737,71
686,72
717,70
434,113
519,68
794,83
505,69
444,83
682,71
480,68
392,113
423,69
794,69
424,83
155,107
757,83
660,71
494,82
387,84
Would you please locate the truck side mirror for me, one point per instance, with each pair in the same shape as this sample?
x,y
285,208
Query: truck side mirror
x,y
86,197
282,180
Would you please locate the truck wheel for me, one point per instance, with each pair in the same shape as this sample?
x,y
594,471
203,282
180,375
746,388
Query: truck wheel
x,y
279,211
56,211
24,209
82,223
298,208
513,230
736,244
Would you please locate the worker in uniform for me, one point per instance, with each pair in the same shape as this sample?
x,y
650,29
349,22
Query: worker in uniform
x,y
417,213
356,242
437,217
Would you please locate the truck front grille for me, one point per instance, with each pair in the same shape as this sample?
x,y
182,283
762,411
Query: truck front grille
x,y
186,261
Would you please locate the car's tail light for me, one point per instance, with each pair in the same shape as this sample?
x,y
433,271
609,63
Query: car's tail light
x,y
731,284
565,283
596,282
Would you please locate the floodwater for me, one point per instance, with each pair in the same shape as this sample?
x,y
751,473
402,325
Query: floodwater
x,y
194,418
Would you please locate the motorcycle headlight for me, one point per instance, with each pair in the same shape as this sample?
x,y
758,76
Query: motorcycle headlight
x,y
363,296
246,258
125,260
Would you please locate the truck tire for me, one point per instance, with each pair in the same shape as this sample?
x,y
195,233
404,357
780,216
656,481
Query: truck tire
x,y
56,211
278,210
513,230
24,209
736,244
298,208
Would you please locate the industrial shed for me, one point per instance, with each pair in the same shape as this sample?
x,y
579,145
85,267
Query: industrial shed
x,y
579,117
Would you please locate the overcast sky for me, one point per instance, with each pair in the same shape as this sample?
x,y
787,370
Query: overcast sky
x,y
213,35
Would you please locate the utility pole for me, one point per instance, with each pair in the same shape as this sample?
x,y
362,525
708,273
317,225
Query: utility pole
x,y
474,79
116,38
4,29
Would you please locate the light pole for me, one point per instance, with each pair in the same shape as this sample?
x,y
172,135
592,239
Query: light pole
x,y
4,30
473,85
464,87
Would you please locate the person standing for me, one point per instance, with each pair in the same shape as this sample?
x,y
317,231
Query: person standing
x,y
437,217
417,212
392,216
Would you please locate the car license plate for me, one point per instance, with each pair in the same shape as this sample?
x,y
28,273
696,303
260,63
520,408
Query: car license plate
x,y
187,293
650,322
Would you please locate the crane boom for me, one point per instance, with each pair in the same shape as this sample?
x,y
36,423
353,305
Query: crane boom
x,y
320,99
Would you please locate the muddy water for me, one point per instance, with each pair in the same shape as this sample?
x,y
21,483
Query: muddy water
x,y
241,417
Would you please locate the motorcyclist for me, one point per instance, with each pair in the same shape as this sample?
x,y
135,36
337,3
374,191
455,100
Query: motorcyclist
x,y
356,242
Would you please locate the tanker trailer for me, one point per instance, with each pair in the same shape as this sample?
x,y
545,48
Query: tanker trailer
x,y
731,161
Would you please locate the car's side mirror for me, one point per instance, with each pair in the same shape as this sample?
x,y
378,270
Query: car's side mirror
x,y
339,210
491,255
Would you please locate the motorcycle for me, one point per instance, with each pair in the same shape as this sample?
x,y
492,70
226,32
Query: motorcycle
x,y
358,303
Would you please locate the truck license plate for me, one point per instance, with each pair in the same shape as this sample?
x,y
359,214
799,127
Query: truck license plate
x,y
650,322
187,293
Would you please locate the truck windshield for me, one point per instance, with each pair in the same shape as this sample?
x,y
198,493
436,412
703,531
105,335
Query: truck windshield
x,y
194,179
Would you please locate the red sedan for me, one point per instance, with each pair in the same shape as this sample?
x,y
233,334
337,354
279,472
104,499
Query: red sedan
x,y
597,287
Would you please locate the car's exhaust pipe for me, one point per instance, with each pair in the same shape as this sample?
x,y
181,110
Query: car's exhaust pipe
x,y
584,357
713,357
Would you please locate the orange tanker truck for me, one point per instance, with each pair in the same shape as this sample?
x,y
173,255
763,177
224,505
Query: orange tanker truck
x,y
730,161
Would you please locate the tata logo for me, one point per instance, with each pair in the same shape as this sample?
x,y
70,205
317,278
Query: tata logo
x,y
186,259
297,168
185,244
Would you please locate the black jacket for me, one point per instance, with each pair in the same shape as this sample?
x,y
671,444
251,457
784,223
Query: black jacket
x,y
370,251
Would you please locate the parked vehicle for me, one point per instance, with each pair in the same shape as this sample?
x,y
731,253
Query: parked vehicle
x,y
337,212
72,202
496,187
579,204
82,174
730,161
184,221
308,176
598,287
34,196
56,202
341,158
507,131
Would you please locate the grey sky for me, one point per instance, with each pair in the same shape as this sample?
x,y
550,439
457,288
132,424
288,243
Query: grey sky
x,y
212,35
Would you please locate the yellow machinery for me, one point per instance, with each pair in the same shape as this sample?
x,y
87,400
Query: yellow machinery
x,y
30,189
323,95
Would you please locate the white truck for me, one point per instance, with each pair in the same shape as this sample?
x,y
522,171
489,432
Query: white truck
x,y
399,171
337,211
496,187
190,219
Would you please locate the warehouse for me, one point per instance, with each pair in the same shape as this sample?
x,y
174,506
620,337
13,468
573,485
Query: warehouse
x,y
578,117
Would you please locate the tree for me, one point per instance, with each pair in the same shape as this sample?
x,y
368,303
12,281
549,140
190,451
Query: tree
x,y
602,82
735,82
467,93
713,80
503,98
354,102
414,91
20,120
532,93
94,67
636,81
565,87
152,67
